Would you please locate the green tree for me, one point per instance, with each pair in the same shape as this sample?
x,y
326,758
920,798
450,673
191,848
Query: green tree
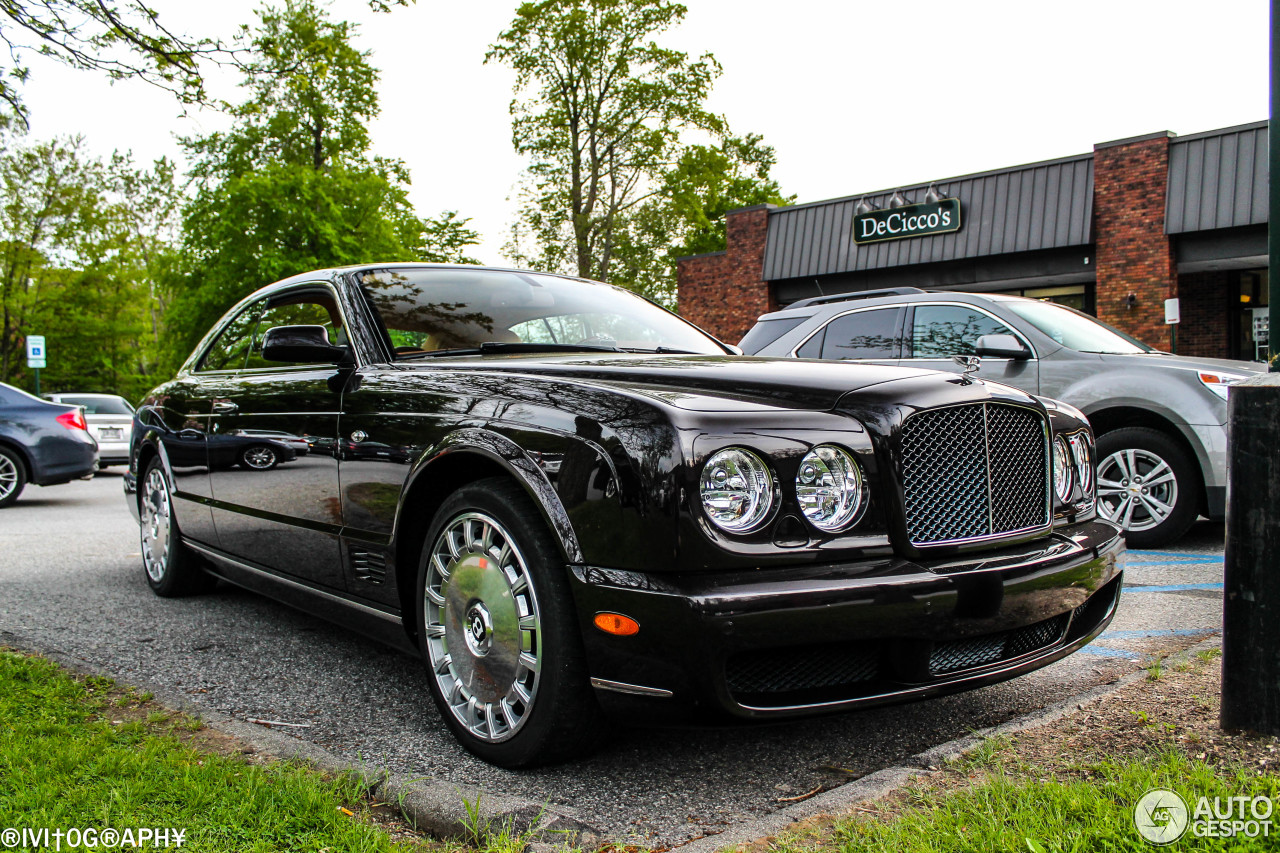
x,y
599,110
124,39
293,185
686,216
82,244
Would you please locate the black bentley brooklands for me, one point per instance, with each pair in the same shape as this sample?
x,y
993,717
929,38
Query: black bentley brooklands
x,y
573,504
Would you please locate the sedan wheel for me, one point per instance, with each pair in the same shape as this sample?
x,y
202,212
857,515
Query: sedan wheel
x,y
13,477
259,458
172,569
498,630
1146,485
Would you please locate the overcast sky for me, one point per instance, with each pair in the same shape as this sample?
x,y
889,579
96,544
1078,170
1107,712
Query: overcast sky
x,y
855,96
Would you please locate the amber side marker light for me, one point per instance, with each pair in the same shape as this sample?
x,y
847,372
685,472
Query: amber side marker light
x,y
616,623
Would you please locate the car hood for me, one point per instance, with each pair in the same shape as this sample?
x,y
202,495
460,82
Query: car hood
x,y
719,383
1182,362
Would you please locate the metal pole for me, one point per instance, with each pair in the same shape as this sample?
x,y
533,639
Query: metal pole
x,y
1251,576
37,370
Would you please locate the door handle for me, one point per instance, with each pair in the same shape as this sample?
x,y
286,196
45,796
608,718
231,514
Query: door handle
x,y
224,407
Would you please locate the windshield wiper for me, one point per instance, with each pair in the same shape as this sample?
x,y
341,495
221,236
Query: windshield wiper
x,y
509,347
661,350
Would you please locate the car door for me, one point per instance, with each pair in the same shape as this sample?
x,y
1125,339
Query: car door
x,y
870,335
274,506
938,331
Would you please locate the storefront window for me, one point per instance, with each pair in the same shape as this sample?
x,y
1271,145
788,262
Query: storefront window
x,y
1252,290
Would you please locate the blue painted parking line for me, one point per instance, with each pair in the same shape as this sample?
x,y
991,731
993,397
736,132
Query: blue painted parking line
x,y
1174,554
1174,588
1132,563
1103,652
1158,632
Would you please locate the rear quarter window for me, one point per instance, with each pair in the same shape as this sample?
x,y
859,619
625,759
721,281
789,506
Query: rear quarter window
x,y
766,332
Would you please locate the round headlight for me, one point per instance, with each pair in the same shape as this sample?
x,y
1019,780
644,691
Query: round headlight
x,y
737,490
829,488
1082,452
1062,469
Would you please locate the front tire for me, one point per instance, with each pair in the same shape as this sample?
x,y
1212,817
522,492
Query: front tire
x,y
259,457
13,477
172,569
1147,485
498,631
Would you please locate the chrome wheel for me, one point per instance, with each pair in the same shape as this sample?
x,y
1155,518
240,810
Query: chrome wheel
x,y
483,627
259,458
9,479
156,515
1137,489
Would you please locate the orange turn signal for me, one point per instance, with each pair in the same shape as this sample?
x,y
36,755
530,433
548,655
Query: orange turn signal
x,y
616,623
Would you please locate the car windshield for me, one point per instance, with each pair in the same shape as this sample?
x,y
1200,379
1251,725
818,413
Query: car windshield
x,y
428,311
98,405
1075,330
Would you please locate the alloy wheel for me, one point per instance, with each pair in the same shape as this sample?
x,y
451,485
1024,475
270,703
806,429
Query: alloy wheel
x,y
8,476
1136,489
156,514
260,458
483,627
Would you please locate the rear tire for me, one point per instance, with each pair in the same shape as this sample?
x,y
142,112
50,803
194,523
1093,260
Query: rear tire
x,y
1148,485
171,568
259,457
499,632
13,476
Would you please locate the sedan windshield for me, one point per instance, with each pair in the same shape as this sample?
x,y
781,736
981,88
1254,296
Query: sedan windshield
x,y
99,405
426,311
1075,330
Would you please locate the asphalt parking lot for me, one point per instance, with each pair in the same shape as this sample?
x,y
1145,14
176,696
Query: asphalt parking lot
x,y
71,582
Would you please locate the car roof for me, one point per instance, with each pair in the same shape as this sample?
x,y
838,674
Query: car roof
x,y
837,303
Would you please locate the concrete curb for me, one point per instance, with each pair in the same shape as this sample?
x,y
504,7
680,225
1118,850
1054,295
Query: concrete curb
x,y
880,784
439,808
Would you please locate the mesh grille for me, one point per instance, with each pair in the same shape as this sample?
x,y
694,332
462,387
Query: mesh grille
x,y
980,651
784,670
972,471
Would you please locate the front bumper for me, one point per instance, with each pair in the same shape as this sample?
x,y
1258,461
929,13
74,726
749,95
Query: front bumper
x,y
130,483
780,643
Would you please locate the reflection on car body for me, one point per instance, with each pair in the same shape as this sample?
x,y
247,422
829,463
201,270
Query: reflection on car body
x,y
574,504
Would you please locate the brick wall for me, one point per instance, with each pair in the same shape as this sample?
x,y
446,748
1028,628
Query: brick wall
x,y
1205,302
1134,255
724,293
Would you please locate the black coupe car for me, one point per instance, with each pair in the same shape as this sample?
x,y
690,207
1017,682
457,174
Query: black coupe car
x,y
575,504
41,442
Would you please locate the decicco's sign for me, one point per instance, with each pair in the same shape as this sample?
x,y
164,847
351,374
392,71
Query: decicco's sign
x,y
913,220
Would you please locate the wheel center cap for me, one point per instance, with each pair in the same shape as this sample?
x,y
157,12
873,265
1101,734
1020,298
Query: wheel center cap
x,y
479,629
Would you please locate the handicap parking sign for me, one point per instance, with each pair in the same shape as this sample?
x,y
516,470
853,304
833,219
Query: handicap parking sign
x,y
35,351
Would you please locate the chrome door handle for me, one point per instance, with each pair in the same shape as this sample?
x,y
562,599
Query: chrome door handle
x,y
223,407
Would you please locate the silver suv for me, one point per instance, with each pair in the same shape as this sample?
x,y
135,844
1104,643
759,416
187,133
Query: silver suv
x,y
1160,418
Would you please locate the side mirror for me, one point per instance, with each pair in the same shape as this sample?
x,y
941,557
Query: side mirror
x,y
302,345
1001,346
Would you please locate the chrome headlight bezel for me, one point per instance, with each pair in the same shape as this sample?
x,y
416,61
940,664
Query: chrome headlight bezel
x,y
734,471
1063,470
1082,455
827,471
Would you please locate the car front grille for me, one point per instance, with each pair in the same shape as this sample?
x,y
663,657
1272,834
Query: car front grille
x,y
959,655
974,471
804,668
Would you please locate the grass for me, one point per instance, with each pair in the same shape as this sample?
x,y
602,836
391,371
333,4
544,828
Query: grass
x,y
80,753
1010,812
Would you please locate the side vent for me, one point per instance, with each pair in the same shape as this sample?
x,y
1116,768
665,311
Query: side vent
x,y
369,566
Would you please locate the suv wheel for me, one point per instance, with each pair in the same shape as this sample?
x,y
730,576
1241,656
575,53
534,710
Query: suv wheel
x,y
1147,485
499,632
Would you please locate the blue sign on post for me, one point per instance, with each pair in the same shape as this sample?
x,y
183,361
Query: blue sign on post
x,y
35,351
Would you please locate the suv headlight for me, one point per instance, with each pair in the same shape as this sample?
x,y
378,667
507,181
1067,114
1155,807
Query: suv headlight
x,y
737,489
829,488
1218,383
1062,473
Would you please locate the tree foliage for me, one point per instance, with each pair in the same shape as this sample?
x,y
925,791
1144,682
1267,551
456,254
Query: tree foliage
x,y
293,185
599,110
124,39
84,244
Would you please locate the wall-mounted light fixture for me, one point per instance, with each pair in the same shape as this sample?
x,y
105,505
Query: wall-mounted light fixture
x,y
933,196
1131,301
898,199
864,206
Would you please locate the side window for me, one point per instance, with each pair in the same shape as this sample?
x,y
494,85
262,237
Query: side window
x,y
229,350
941,331
311,308
863,334
812,348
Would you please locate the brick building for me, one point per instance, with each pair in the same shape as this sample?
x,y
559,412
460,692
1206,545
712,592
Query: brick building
x,y
1115,232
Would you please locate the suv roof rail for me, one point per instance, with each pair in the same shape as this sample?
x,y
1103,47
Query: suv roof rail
x,y
858,294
